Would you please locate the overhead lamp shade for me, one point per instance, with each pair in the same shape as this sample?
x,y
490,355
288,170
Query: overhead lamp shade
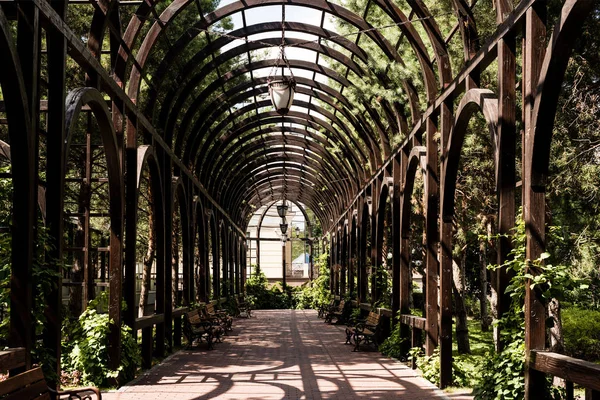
x,y
282,94
283,228
282,210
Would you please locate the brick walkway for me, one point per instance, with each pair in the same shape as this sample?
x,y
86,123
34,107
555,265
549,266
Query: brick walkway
x,y
279,354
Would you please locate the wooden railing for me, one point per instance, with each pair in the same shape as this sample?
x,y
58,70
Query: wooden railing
x,y
572,370
12,359
417,325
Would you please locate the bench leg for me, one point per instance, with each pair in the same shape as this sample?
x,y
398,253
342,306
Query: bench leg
x,y
349,333
357,340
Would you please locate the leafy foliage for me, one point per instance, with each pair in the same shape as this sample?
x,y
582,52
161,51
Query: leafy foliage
x,y
316,293
85,348
430,367
581,330
261,297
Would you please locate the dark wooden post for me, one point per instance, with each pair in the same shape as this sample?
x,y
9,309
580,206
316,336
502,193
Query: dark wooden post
x,y
431,232
506,159
445,320
375,187
362,266
57,48
397,174
534,198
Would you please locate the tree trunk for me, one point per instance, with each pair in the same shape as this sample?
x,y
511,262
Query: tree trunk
x,y
557,342
485,322
150,255
462,329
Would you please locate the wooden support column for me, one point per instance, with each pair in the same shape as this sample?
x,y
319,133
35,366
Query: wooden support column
x,y
397,174
25,183
352,258
362,265
445,321
431,232
343,260
131,210
405,278
216,257
533,198
375,187
506,168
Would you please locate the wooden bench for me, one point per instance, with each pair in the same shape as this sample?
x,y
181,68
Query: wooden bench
x,y
195,327
325,308
336,313
243,308
220,317
366,331
31,384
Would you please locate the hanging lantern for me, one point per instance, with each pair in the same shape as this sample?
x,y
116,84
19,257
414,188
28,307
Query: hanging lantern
x,y
283,226
282,209
282,94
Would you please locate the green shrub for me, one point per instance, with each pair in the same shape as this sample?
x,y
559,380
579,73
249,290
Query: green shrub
x,y
581,330
392,345
316,293
261,297
503,373
85,349
462,373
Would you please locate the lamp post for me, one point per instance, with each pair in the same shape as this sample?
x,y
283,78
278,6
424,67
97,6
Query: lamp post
x,y
283,226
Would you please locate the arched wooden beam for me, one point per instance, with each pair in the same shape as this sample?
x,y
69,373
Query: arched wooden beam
x,y
146,158
255,107
274,177
322,156
213,108
245,212
181,198
22,140
338,173
416,158
251,133
194,147
303,116
567,30
438,42
175,8
268,207
76,99
329,159
170,114
273,155
134,28
196,141
238,188
396,14
259,199
474,100
215,45
224,141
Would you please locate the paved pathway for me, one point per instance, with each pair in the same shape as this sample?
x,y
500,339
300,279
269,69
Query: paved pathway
x,y
279,354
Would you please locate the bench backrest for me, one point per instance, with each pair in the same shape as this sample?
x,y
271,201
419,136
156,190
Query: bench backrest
x,y
210,308
372,319
193,317
28,385
341,305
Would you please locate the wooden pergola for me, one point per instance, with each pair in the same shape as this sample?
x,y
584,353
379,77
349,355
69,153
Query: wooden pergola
x,y
194,119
